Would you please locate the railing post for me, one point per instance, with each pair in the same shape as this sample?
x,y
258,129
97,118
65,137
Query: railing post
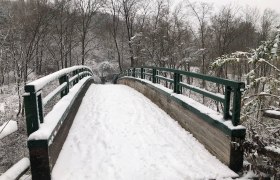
x,y
166,83
157,79
133,72
180,87
236,106
40,107
31,110
62,80
74,74
175,82
177,79
227,102
154,75
142,73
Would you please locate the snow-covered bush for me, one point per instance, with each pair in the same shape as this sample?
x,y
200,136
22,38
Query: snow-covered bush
x,y
261,101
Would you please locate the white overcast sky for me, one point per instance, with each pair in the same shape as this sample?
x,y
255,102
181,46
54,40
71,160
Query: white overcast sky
x,y
260,4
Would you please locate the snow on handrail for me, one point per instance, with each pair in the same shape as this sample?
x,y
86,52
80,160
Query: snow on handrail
x,y
40,83
77,75
53,93
33,100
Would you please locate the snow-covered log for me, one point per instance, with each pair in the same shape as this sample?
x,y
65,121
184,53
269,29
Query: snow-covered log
x,y
17,170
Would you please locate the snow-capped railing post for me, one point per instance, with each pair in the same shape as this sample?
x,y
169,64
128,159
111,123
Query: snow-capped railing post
x,y
64,79
227,102
31,109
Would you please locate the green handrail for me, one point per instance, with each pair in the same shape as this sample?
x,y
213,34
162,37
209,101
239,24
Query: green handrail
x,y
34,103
230,86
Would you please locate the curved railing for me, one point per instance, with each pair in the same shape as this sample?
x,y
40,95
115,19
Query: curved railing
x,y
33,101
180,79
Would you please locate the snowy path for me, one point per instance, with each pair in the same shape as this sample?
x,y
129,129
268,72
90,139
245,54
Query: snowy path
x,y
119,134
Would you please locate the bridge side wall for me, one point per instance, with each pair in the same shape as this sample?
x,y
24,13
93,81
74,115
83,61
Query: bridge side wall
x,y
43,154
217,142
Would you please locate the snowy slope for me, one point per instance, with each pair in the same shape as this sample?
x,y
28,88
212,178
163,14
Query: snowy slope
x,y
119,134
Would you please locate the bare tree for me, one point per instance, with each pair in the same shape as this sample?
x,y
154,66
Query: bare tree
x,y
269,19
129,13
201,13
86,11
115,7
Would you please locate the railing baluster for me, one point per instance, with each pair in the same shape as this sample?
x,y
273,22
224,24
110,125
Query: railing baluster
x,y
31,111
154,75
177,80
62,80
157,79
40,108
133,72
236,106
227,102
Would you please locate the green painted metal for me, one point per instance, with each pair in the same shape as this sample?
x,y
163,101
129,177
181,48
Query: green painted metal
x,y
165,78
75,80
31,112
236,106
33,104
62,80
157,79
205,93
240,133
177,83
133,72
34,110
227,102
154,76
40,108
229,85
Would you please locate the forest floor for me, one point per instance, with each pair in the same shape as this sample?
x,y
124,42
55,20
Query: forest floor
x,y
14,146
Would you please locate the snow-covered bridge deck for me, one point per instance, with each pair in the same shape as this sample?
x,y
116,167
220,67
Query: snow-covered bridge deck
x,y
120,134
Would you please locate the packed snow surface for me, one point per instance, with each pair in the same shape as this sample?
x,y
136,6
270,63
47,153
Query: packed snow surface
x,y
8,128
119,134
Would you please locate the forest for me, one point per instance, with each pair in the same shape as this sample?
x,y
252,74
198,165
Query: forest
x,y
38,37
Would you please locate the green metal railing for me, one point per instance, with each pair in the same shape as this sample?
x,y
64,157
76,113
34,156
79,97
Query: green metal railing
x,y
34,103
154,74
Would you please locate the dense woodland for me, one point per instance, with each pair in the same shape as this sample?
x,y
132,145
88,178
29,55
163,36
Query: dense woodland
x,y
38,37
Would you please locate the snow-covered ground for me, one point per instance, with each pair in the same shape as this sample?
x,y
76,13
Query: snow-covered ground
x,y
119,134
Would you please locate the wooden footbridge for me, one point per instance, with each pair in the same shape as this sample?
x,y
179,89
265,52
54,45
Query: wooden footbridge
x,y
219,132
